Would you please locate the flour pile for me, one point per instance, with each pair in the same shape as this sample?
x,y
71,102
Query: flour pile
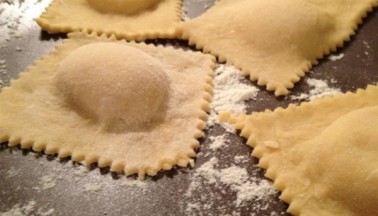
x,y
230,94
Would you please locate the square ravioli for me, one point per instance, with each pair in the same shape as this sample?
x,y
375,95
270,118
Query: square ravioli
x,y
134,107
275,42
322,155
127,19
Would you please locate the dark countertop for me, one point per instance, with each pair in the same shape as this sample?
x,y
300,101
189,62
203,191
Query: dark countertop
x,y
37,184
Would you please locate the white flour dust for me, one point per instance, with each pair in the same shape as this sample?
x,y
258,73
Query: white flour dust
x,y
16,16
218,142
47,182
319,89
29,208
248,190
241,159
230,94
184,14
13,172
336,57
80,172
246,187
128,182
92,187
20,210
3,72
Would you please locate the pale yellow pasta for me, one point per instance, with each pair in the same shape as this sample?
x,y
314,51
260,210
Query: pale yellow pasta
x,y
134,107
322,155
275,42
126,19
122,6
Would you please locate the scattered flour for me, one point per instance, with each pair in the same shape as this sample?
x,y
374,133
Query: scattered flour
x,y
3,71
49,212
230,94
18,49
20,210
241,159
28,209
128,182
367,45
80,172
336,57
92,187
16,16
319,89
249,191
212,119
48,182
3,63
218,142
12,172
184,14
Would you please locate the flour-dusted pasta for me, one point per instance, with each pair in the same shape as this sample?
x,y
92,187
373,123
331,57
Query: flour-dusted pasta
x,y
76,102
322,155
126,19
275,42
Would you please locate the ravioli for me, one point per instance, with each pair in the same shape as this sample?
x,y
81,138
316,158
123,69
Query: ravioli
x,y
126,19
321,155
134,107
275,42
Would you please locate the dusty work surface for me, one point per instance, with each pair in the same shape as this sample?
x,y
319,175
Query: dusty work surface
x,y
35,184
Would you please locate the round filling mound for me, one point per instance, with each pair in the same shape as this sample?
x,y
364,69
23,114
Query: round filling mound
x,y
122,6
113,84
348,168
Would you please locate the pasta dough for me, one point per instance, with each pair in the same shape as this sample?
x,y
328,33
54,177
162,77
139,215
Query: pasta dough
x,y
126,19
275,42
134,107
106,86
121,6
321,155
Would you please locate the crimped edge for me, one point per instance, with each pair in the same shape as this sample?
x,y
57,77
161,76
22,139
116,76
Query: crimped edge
x,y
305,67
182,159
239,122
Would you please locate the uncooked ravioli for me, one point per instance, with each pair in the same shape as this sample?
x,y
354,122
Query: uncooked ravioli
x,y
322,155
126,7
126,19
113,84
275,42
134,107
